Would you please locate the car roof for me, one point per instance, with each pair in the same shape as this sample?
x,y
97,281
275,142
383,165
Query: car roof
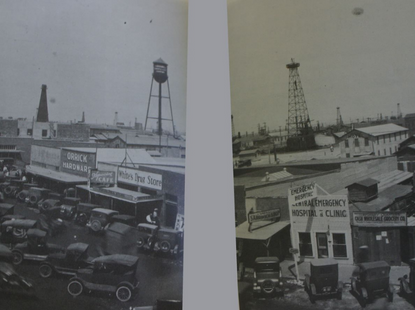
x,y
124,216
36,233
169,230
119,227
86,204
78,247
24,223
269,259
151,226
6,206
121,259
5,252
371,265
105,211
323,262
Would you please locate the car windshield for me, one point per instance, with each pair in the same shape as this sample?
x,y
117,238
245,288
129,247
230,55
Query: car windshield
x,y
324,270
267,267
373,274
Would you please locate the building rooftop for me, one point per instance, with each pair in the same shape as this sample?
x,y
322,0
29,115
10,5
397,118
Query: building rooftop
x,y
382,129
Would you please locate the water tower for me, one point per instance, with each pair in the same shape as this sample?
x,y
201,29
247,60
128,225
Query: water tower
x,y
160,76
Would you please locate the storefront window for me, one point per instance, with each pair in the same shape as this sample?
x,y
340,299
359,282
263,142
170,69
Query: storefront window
x,y
306,248
339,245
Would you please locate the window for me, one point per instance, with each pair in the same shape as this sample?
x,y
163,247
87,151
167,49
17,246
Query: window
x,y
384,152
377,140
390,151
18,131
44,132
339,245
346,143
29,132
347,155
306,248
378,152
389,138
366,142
396,148
394,135
384,139
356,142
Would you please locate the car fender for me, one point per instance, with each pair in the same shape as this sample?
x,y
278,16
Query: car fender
x,y
127,284
364,293
313,289
404,286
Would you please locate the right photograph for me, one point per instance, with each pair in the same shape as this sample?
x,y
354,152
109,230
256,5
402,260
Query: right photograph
x,y
323,124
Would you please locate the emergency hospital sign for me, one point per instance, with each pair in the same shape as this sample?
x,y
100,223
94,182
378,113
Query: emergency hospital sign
x,y
140,178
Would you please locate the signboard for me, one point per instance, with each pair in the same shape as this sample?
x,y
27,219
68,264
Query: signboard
x,y
179,222
267,216
302,193
140,178
293,251
101,177
379,219
328,206
76,162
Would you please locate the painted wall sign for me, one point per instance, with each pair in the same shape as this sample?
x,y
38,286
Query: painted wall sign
x,y
302,193
379,219
140,178
78,163
266,217
102,177
329,207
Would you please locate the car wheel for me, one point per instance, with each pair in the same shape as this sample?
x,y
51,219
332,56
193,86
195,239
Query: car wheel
x,y
8,190
45,271
123,293
75,288
17,257
140,242
96,226
21,196
165,246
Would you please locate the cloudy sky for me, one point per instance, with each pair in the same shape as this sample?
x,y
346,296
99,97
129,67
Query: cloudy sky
x,y
94,55
363,64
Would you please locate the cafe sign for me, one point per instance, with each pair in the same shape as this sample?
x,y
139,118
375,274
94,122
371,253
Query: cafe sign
x,y
101,177
379,219
140,178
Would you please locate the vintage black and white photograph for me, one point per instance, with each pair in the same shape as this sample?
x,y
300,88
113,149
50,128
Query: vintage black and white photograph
x,y
323,114
92,154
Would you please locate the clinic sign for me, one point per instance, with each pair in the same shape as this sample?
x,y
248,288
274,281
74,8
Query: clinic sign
x,y
379,219
76,162
140,178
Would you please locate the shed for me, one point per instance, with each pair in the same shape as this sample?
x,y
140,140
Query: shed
x,y
364,190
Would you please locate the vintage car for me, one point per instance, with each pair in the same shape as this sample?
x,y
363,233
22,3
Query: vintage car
x,y
6,209
15,231
75,257
21,196
125,219
371,281
83,213
146,234
119,239
51,221
169,241
35,248
36,195
407,286
111,273
323,279
267,277
100,219
14,188
47,204
10,217
162,304
68,207
10,281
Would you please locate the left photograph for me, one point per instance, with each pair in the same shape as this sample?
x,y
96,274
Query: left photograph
x,y
92,154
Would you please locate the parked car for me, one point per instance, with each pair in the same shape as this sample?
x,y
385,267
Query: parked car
x,y
125,219
36,195
75,257
21,196
407,284
10,281
68,207
244,163
83,213
169,241
162,304
371,281
111,273
15,231
267,277
323,279
10,217
35,248
100,219
16,185
146,234
119,239
51,221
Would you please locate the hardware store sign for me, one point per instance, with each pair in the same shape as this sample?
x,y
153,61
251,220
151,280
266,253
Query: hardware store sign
x,y
140,178
376,219
78,163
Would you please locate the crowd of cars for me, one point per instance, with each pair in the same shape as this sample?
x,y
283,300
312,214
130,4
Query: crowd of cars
x,y
112,271
369,281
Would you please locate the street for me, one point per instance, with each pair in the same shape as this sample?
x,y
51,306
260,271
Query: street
x,y
159,277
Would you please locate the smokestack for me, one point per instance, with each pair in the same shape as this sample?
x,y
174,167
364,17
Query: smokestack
x,y
116,119
42,112
83,117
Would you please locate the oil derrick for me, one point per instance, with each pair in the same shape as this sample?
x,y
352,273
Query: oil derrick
x,y
42,112
300,132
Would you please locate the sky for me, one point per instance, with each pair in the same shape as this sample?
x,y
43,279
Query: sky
x,y
363,64
94,56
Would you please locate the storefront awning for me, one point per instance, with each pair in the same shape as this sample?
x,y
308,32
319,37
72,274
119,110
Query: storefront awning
x,y
56,175
262,233
121,194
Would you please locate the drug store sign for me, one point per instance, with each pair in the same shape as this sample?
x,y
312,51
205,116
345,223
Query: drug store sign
x,y
140,178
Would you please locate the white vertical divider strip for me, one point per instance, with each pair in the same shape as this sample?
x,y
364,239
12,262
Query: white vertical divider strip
x,y
210,277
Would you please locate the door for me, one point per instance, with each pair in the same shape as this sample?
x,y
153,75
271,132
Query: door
x,y
322,248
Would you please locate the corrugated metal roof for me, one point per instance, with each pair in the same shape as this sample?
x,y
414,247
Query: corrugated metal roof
x,y
277,176
392,178
382,129
55,175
